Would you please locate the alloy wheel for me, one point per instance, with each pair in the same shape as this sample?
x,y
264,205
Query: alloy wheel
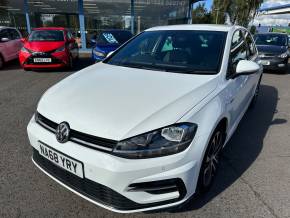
x,y
212,159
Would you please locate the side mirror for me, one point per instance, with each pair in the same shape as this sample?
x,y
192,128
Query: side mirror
x,y
109,54
93,42
4,39
245,67
23,40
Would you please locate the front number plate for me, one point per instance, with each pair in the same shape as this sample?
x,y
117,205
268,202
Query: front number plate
x,y
265,62
41,60
67,163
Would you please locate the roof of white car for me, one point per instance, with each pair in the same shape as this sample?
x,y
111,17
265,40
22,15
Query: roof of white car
x,y
211,27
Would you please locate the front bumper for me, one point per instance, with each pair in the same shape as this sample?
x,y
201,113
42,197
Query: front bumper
x,y
108,179
59,60
274,63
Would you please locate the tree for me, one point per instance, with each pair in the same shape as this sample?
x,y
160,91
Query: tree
x,y
241,12
200,14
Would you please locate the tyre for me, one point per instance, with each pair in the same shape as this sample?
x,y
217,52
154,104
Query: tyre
x,y
1,62
211,161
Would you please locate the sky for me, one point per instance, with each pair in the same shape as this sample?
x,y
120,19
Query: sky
x,y
265,20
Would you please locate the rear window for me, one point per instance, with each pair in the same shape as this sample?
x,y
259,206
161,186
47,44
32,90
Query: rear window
x,y
46,35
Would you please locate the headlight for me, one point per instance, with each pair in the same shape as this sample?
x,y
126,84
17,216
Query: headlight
x,y
25,50
284,55
60,49
98,53
157,143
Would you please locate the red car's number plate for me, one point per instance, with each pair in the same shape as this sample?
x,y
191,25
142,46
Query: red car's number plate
x,y
41,60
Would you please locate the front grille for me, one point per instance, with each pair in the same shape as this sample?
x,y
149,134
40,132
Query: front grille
x,y
95,191
79,137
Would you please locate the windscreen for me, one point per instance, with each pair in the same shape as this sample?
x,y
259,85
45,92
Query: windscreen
x,y
181,51
271,39
114,37
46,35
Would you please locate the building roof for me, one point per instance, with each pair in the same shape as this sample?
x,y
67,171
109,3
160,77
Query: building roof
x,y
212,27
275,8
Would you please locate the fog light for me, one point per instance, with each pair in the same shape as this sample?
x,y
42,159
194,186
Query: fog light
x,y
281,65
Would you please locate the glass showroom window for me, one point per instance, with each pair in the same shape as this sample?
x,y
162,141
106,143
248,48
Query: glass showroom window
x,y
57,13
12,14
103,15
150,13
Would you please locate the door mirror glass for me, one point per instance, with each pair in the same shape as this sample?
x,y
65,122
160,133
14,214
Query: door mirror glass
x,y
246,67
4,39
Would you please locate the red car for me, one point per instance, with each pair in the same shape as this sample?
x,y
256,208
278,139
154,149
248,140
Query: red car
x,y
49,47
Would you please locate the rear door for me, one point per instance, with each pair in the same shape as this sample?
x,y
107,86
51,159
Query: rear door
x,y
17,41
17,44
5,47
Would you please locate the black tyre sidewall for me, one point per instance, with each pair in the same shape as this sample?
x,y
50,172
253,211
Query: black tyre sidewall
x,y
2,61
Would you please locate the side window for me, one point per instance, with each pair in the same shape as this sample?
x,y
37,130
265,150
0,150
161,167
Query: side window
x,y
251,45
237,39
14,34
4,34
238,51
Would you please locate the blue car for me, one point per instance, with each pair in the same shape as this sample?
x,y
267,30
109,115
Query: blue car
x,y
107,41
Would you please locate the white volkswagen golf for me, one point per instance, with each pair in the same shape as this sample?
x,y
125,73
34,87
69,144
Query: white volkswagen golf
x,y
144,129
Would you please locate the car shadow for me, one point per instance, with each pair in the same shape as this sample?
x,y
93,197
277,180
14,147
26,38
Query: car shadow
x,y
243,148
11,65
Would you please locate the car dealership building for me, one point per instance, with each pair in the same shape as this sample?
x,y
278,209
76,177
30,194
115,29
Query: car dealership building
x,y
87,17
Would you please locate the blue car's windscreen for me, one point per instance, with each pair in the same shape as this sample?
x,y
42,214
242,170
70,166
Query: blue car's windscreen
x,y
114,37
182,51
271,39
46,35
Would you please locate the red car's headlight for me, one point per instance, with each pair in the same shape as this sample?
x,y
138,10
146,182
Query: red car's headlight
x,y
23,49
